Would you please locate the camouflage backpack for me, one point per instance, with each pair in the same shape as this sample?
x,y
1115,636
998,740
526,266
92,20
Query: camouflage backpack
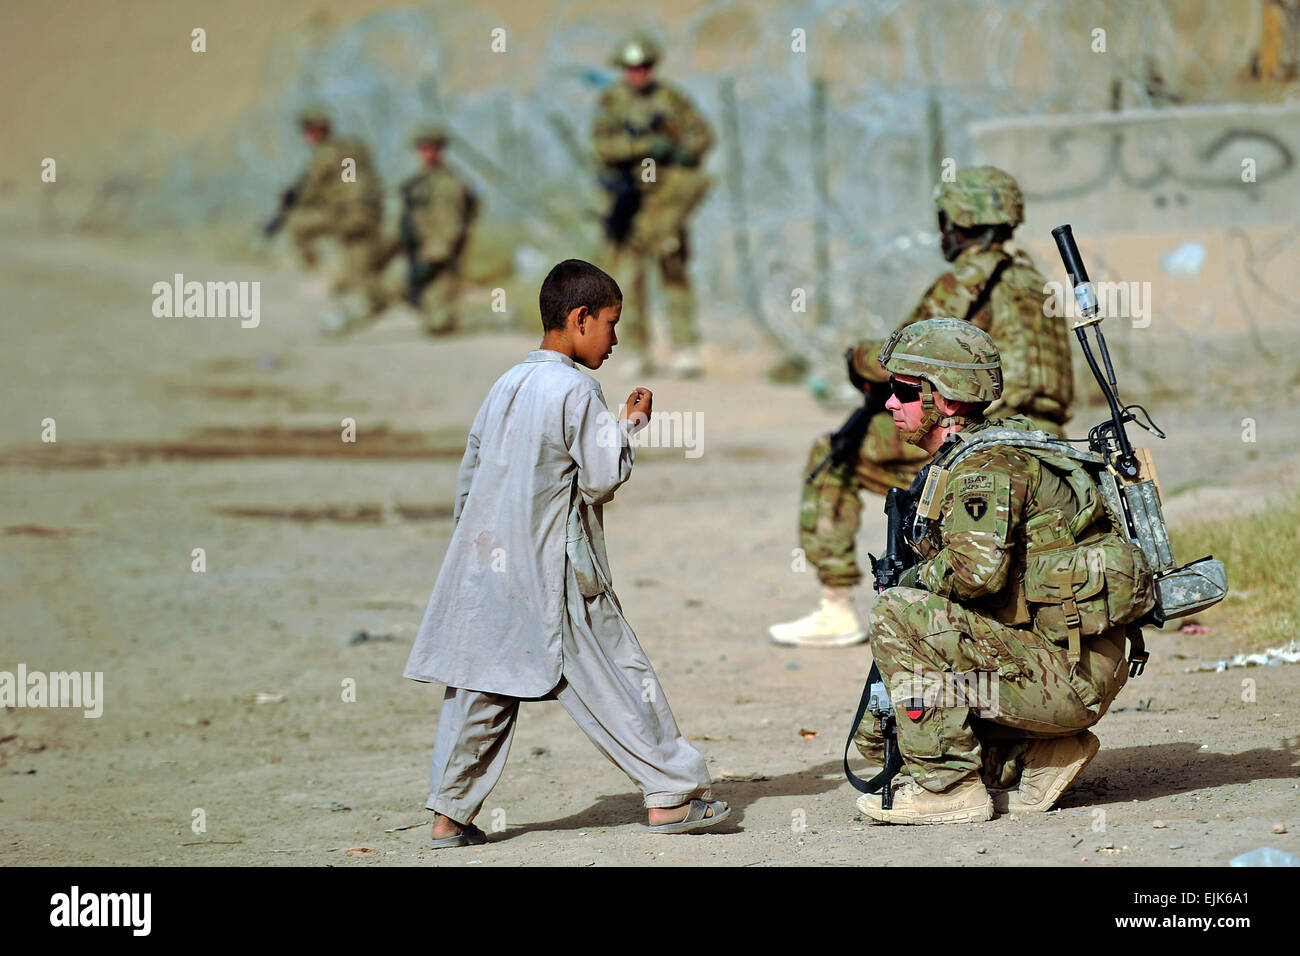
x,y
1080,576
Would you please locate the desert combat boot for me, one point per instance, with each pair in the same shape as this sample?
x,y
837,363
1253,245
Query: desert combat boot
x,y
967,801
1050,766
834,624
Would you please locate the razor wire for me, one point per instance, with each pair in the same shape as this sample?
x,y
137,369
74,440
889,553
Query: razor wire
x,y
902,81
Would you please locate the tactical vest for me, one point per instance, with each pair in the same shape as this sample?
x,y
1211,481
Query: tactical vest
x,y
1035,347
1003,294
1073,575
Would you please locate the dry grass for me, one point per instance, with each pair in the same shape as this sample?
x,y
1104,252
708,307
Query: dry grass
x,y
1261,552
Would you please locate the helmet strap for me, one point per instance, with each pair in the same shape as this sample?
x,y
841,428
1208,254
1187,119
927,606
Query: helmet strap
x,y
929,419
934,418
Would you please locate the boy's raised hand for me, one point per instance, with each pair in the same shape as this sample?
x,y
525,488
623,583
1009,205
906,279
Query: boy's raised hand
x,y
637,407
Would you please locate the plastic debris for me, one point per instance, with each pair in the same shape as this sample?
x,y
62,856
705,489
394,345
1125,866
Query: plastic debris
x,y
1290,654
1185,259
1265,856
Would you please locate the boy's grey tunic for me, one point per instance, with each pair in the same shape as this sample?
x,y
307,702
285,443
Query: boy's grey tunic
x,y
494,621
523,606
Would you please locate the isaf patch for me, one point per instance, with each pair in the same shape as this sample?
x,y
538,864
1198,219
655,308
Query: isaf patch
x,y
975,484
980,502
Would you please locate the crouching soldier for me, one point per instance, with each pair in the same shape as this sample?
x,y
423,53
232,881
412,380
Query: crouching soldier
x,y
1023,576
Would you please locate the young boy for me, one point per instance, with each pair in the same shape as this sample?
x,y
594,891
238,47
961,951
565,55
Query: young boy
x,y
523,607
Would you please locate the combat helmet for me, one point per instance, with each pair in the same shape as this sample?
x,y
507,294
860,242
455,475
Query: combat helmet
x,y
636,49
314,116
951,357
981,196
431,133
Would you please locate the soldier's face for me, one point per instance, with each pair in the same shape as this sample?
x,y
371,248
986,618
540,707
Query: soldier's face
x,y
639,77
594,336
907,415
314,134
430,153
951,242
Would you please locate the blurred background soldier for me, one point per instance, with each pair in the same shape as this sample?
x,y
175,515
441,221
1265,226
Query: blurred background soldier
x,y
336,199
997,288
438,208
651,139
867,454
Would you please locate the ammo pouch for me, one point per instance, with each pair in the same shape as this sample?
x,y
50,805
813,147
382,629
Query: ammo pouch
x,y
577,547
1086,589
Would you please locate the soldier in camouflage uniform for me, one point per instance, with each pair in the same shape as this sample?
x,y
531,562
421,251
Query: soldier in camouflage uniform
x,y
995,287
438,209
325,205
830,512
968,605
651,139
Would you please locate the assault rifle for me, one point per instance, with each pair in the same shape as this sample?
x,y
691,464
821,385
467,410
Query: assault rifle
x,y
410,239
620,182
897,558
288,199
846,442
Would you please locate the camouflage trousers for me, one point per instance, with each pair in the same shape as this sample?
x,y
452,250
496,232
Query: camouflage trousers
x,y
830,512
630,264
357,288
438,296
979,689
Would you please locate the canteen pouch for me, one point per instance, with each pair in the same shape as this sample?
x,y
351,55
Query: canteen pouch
x,y
1087,589
1191,588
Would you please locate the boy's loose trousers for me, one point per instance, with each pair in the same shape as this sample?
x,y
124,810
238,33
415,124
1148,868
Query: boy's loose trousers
x,y
608,688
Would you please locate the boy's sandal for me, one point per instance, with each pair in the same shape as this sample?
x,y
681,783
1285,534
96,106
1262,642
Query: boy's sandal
x,y
469,836
695,818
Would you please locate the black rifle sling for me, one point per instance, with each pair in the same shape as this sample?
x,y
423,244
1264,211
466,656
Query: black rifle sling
x,y
986,293
892,765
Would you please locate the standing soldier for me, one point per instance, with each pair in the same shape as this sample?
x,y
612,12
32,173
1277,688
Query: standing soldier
x,y
339,194
996,287
651,139
437,210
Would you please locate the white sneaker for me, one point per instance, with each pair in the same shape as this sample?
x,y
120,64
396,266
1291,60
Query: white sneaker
x,y
833,624
687,364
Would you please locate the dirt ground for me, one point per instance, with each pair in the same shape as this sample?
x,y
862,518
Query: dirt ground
x,y
177,434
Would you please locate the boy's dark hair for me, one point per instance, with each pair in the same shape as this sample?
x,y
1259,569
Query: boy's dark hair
x,y
572,284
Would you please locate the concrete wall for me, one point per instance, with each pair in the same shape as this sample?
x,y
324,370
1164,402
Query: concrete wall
x,y
1151,171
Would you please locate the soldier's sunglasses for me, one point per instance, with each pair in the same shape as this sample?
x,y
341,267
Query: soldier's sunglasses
x,y
904,392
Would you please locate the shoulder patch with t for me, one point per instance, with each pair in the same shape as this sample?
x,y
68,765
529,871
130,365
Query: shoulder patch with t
x,y
981,502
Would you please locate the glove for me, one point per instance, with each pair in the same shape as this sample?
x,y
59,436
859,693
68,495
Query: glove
x,y
660,148
679,157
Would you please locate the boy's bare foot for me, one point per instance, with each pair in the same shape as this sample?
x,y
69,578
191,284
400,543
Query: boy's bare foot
x,y
661,815
444,827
